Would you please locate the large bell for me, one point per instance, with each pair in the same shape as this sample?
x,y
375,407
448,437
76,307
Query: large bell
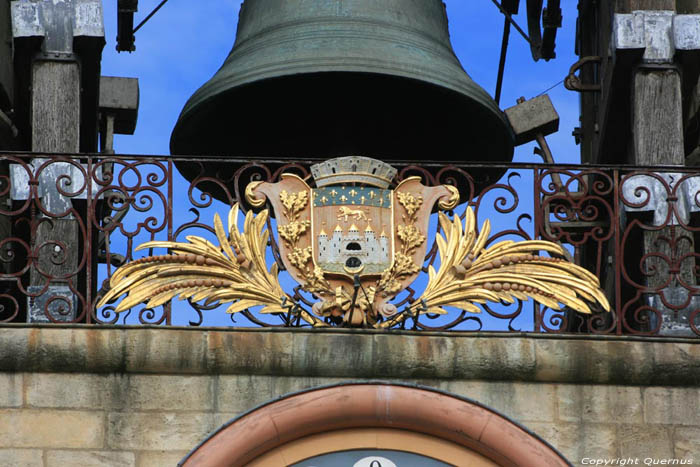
x,y
324,78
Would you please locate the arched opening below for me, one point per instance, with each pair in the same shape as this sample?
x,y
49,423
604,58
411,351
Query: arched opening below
x,y
371,442
356,415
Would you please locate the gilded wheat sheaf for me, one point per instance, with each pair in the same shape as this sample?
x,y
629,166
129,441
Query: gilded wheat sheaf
x,y
470,273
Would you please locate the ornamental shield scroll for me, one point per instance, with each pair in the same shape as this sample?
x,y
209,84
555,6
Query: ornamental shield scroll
x,y
352,241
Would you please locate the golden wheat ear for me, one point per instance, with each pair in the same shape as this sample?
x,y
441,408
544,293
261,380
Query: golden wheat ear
x,y
471,274
232,272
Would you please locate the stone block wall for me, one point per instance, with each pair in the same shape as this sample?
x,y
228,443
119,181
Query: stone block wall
x,y
86,396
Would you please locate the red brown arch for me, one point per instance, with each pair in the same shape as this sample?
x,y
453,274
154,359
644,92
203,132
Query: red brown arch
x,y
403,409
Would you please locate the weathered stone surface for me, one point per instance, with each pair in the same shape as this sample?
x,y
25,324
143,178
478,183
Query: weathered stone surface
x,y
21,457
43,348
335,355
645,441
686,443
421,356
166,351
57,348
238,393
170,392
90,459
674,360
119,391
281,386
672,406
51,429
552,361
349,354
158,458
561,436
68,390
595,439
528,402
522,402
599,404
576,441
589,361
580,420
478,358
249,352
11,389
152,431
474,390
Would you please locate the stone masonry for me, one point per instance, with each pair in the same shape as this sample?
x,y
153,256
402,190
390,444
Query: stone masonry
x,y
120,396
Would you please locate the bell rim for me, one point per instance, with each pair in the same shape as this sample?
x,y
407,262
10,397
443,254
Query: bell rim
x,y
217,87
224,89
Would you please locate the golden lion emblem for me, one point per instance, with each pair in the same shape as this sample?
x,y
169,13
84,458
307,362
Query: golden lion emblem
x,y
358,214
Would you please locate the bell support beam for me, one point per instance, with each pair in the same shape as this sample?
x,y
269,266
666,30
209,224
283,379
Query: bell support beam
x,y
658,139
61,43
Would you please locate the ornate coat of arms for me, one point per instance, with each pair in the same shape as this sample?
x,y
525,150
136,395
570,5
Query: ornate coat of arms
x,y
354,243
351,241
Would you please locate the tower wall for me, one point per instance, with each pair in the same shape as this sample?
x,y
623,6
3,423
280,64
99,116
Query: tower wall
x,y
72,395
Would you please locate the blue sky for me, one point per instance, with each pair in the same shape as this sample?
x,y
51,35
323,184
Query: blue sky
x,y
183,45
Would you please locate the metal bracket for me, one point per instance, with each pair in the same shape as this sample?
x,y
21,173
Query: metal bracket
x,y
542,42
125,25
53,56
573,82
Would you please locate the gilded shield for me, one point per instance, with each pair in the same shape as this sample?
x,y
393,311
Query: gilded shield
x,y
352,229
351,241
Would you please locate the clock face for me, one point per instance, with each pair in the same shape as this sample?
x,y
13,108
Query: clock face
x,y
371,458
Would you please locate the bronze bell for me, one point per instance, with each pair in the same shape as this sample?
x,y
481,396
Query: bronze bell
x,y
325,78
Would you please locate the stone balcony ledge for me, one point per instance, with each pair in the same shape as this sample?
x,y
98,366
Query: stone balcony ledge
x,y
350,353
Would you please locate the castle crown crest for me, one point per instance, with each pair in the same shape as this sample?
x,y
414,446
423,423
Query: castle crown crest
x,y
353,169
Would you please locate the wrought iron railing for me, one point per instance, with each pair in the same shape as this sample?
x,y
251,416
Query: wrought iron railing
x,y
66,224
